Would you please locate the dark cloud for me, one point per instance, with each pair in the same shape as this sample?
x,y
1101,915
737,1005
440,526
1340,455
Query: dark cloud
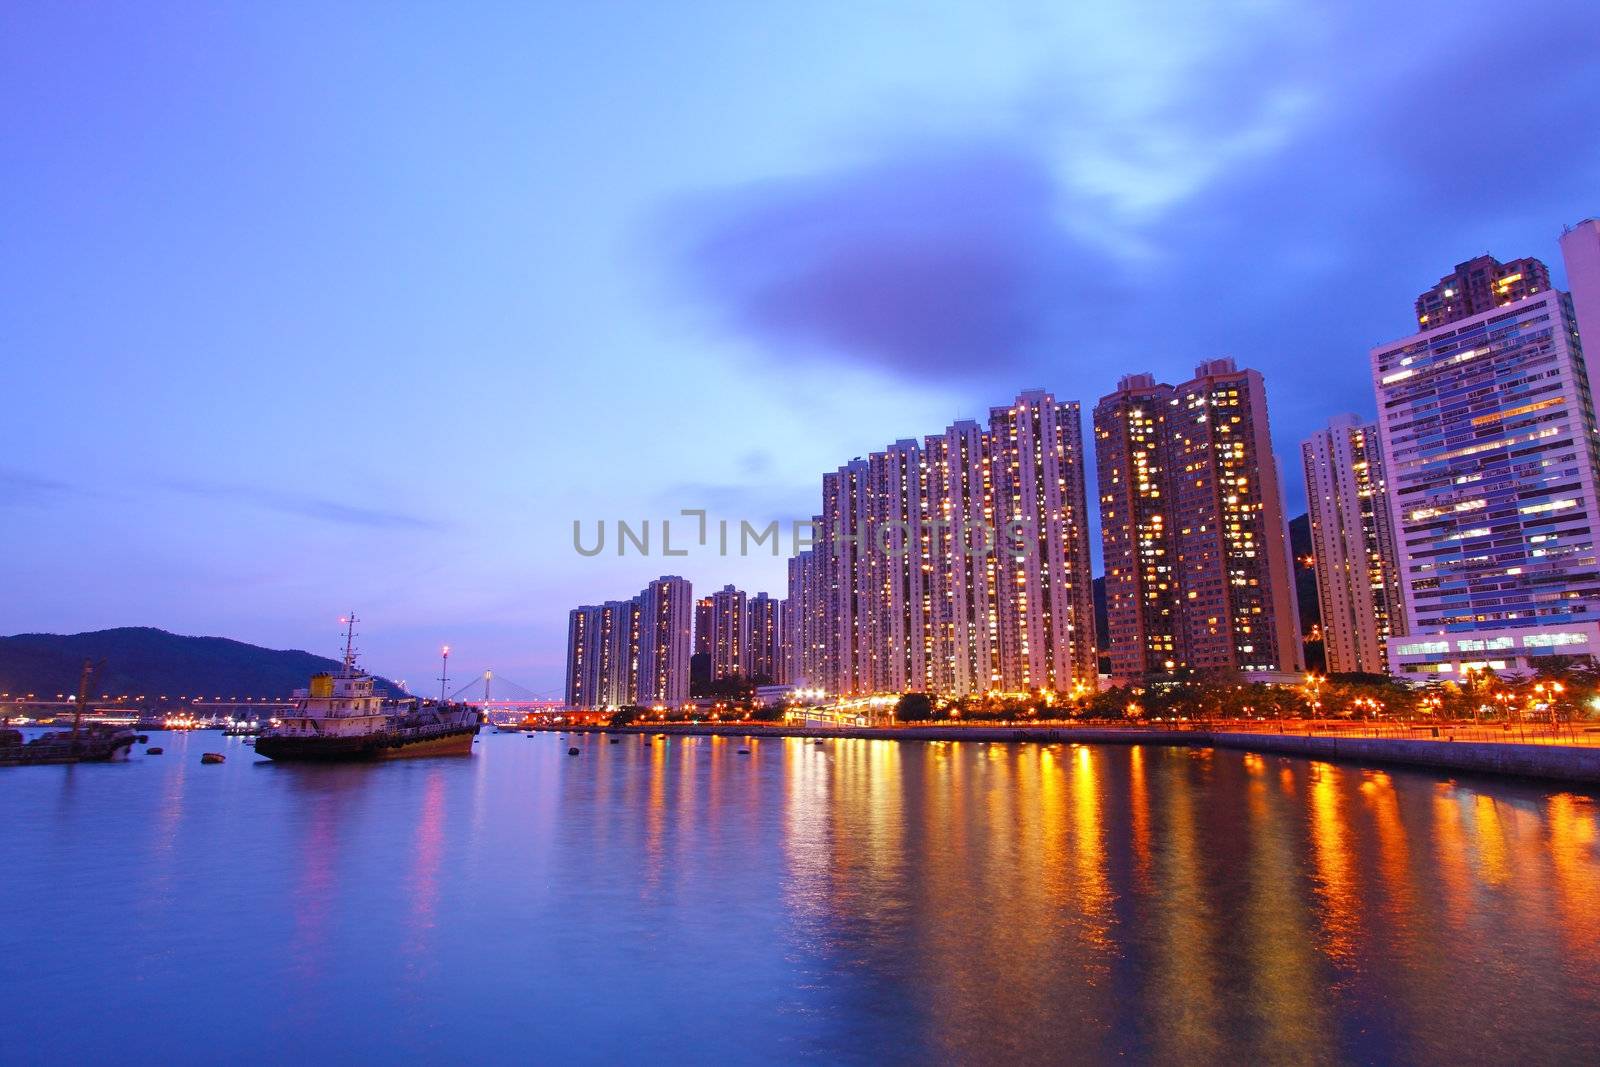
x,y
310,507
942,261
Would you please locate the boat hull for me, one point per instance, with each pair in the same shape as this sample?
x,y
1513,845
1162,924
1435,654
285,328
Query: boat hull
x,y
450,742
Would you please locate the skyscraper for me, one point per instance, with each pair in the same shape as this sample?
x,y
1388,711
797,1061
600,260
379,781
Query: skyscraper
x,y
730,633
1580,251
583,657
1235,574
964,611
1490,446
666,617
803,621
702,626
1046,590
1136,528
1198,571
765,638
1352,537
1477,286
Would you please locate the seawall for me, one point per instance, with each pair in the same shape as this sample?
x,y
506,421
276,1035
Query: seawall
x,y
1572,764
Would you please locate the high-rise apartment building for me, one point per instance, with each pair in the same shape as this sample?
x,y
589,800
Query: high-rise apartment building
x,y
764,640
730,633
1197,549
959,565
1580,251
804,621
582,657
1352,538
666,617
1235,574
1137,532
1479,285
1046,590
1490,446
631,651
702,626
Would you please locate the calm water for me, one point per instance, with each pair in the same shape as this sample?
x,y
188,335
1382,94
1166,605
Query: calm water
x,y
859,901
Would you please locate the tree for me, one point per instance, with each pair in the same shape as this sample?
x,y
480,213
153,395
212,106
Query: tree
x,y
914,707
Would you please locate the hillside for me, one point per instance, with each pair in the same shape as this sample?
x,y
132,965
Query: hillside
x,y
141,660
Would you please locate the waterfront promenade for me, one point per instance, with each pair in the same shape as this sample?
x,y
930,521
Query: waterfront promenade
x,y
1564,753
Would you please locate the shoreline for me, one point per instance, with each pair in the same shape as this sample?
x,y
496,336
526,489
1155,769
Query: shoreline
x,y
1568,764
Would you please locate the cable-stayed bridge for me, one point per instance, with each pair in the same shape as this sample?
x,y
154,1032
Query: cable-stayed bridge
x,y
492,692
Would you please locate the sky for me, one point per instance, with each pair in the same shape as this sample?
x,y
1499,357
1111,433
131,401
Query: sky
x,y
312,308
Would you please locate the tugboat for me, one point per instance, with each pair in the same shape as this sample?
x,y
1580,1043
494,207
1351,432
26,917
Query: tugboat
x,y
340,718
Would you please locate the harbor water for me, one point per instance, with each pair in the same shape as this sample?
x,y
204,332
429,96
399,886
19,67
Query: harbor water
x,y
849,901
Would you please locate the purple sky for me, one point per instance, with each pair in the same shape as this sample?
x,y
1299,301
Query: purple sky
x,y
318,307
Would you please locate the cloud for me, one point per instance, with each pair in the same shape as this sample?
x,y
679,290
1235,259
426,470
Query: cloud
x,y
1278,192
21,489
943,260
310,506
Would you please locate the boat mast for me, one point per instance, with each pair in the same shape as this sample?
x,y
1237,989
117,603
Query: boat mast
x,y
350,643
444,674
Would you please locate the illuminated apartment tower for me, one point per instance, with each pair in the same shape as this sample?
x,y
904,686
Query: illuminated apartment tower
x,y
963,607
1137,532
702,626
583,657
1352,542
620,681
730,633
804,621
1044,586
666,617
1480,285
1234,571
841,544
1489,435
765,638
895,613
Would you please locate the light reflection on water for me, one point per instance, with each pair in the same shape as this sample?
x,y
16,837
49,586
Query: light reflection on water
x,y
858,900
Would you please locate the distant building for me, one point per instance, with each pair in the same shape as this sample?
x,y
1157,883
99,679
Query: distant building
x,y
702,626
765,638
665,621
1352,537
583,657
1479,285
730,633
630,651
803,621
1490,446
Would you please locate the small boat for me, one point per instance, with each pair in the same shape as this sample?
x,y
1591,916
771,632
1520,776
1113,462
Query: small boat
x,y
213,757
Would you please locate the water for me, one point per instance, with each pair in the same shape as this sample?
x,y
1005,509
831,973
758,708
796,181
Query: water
x,y
861,901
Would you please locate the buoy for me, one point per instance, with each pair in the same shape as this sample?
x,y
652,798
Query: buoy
x,y
572,752
154,751
212,757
